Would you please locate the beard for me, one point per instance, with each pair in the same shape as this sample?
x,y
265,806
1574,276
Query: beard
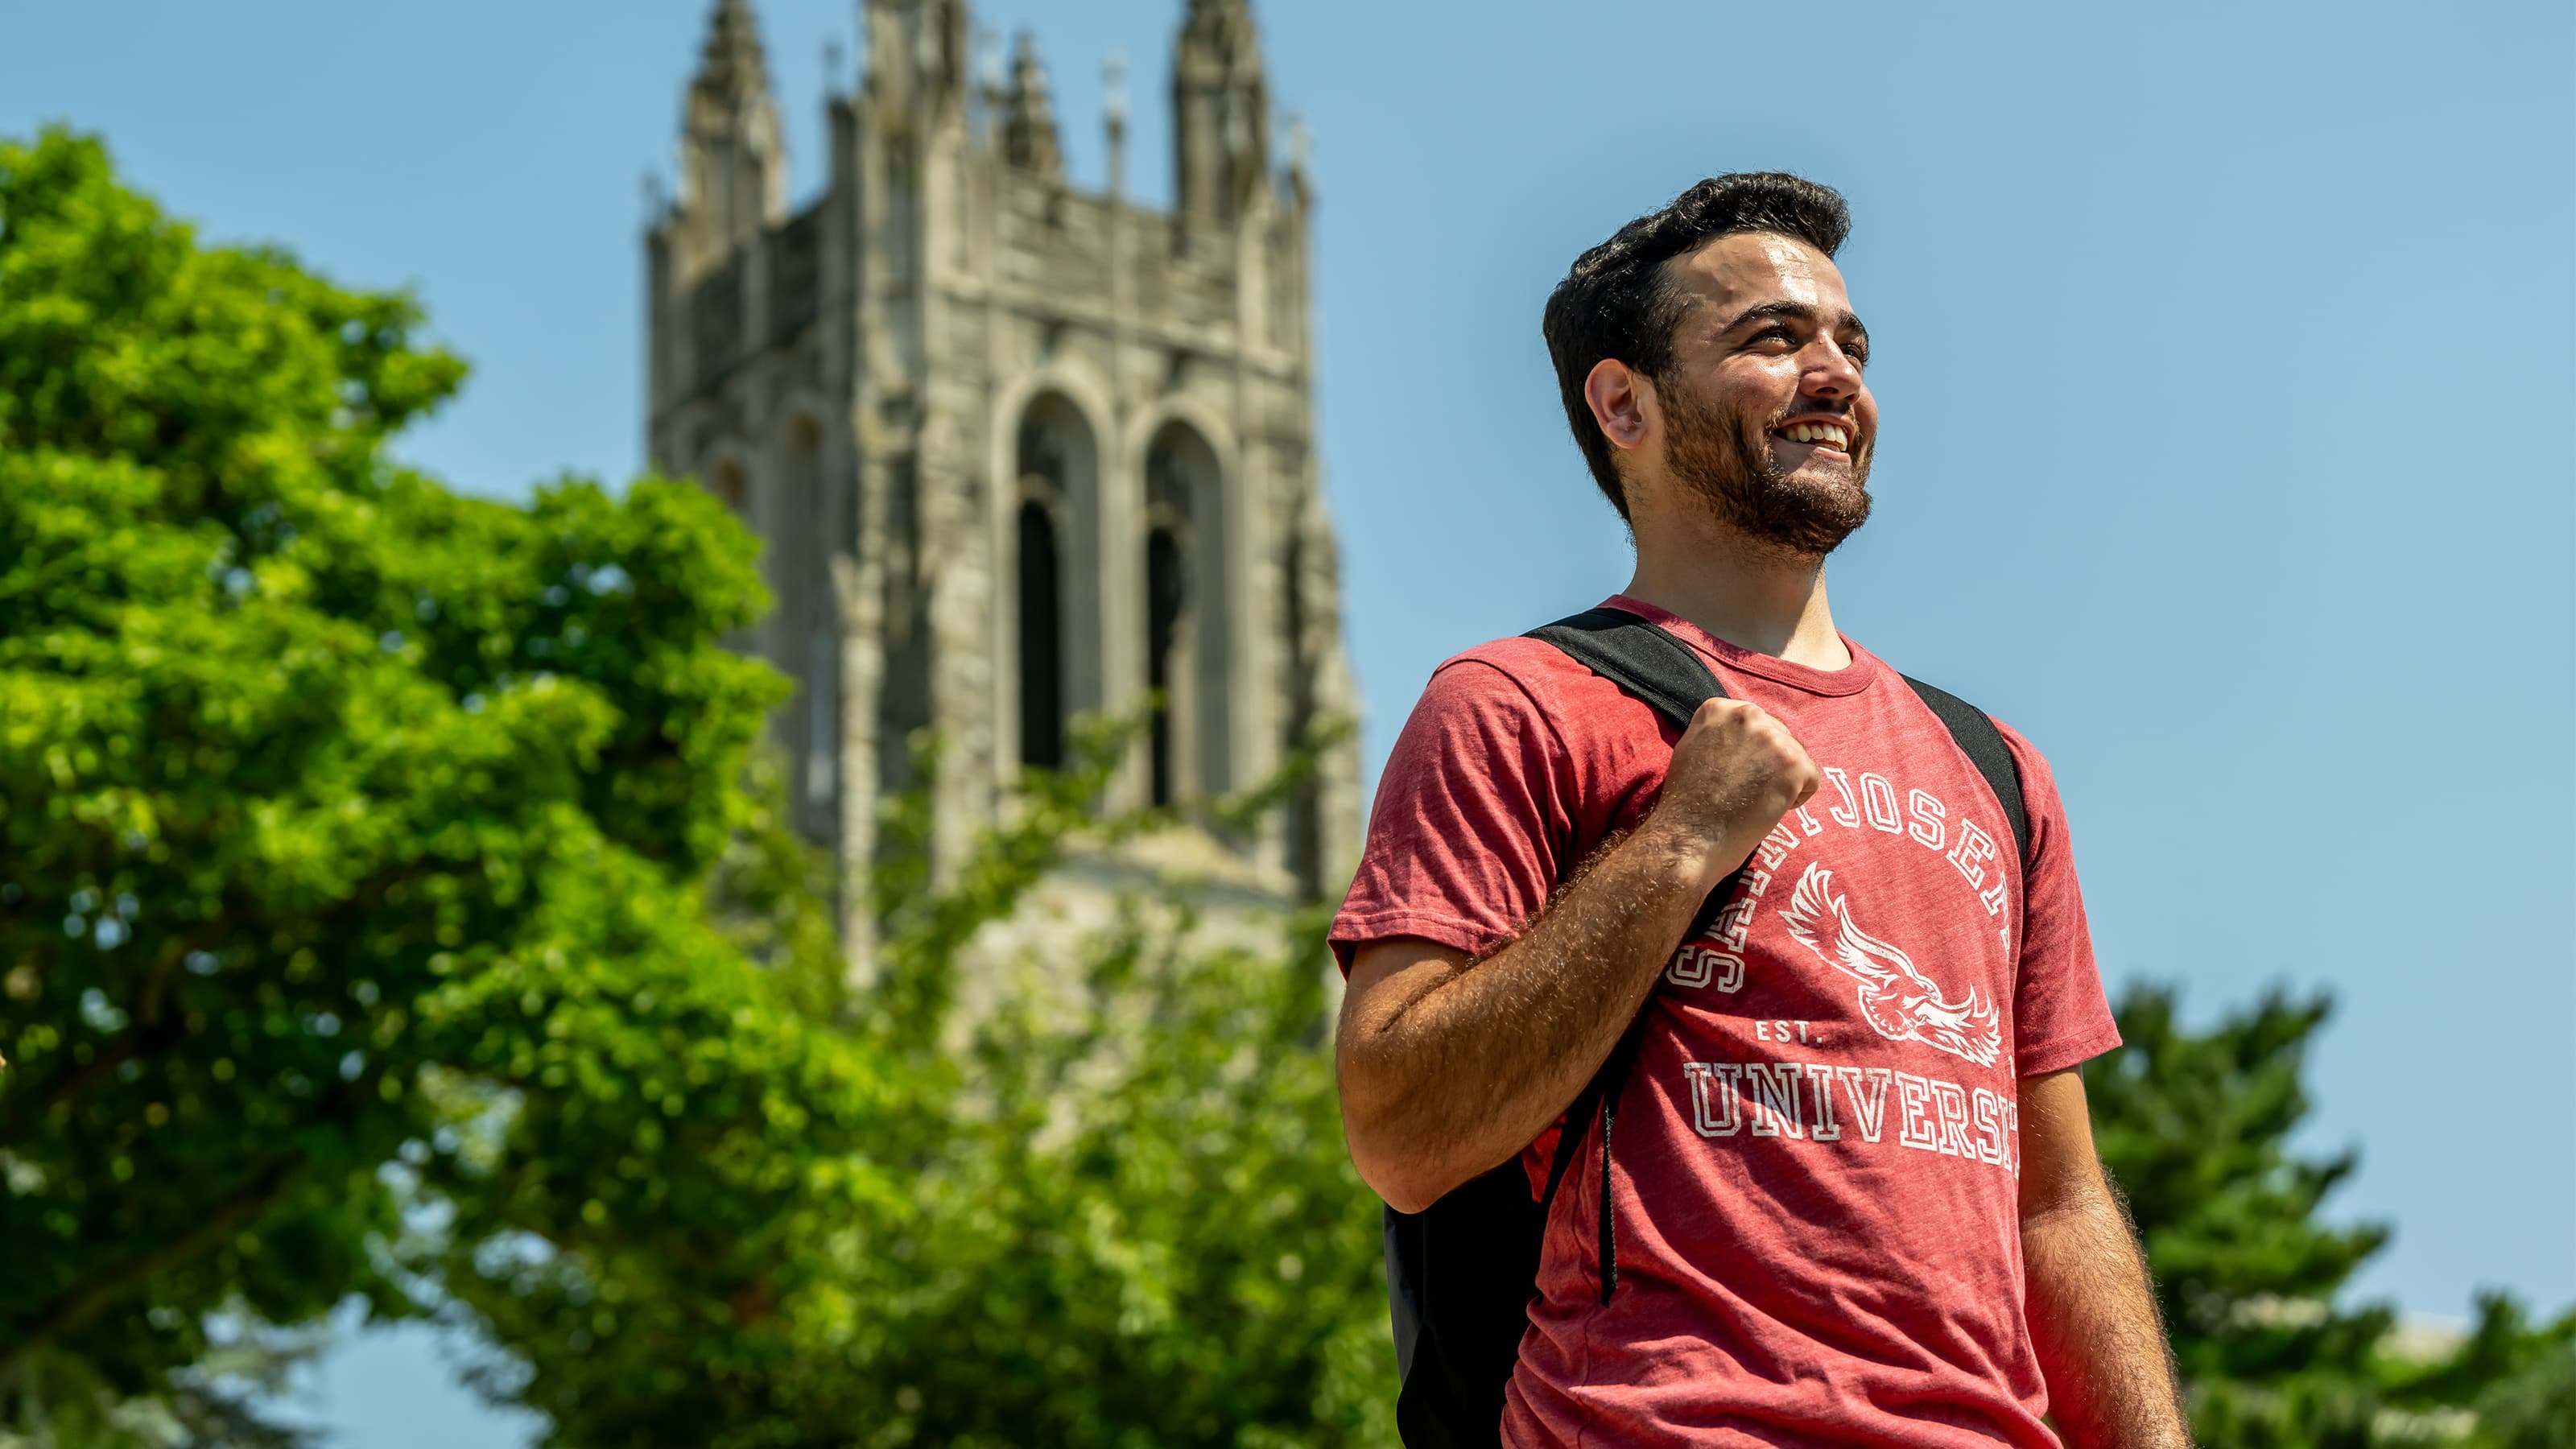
x,y
1730,468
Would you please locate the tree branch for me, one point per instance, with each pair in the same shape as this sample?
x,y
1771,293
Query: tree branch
x,y
157,1030
77,1308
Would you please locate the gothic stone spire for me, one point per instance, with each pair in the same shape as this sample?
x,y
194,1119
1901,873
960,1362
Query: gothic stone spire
x,y
733,159
1220,110
917,60
731,68
1028,114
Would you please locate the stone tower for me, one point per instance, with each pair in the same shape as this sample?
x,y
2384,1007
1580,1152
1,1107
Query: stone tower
x,y
1018,450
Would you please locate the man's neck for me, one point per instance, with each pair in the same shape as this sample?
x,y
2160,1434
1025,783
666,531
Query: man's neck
x,y
1751,597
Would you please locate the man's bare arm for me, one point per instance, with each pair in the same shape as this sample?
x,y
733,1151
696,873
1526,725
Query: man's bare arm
x,y
1450,1064
2092,1314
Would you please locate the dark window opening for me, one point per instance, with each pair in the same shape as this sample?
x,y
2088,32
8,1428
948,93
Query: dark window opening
x,y
1304,824
1163,596
1041,642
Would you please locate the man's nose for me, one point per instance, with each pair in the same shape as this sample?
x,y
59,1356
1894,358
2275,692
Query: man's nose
x,y
1829,372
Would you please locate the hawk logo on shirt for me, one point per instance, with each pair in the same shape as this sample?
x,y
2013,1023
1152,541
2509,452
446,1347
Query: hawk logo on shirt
x,y
1896,998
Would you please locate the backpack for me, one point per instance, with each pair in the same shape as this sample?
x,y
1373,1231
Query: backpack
x,y
1461,1273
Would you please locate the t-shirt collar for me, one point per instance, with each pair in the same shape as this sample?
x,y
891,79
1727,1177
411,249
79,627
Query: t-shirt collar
x,y
1852,678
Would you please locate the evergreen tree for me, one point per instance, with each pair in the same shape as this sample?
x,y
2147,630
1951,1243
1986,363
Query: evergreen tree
x,y
2195,1129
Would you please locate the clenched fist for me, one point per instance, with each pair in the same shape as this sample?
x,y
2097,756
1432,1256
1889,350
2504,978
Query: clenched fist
x,y
1735,772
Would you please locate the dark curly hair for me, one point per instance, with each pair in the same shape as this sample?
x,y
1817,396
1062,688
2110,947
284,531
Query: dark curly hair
x,y
1614,301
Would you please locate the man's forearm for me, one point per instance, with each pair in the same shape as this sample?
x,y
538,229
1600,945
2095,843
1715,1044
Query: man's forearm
x,y
2092,1314
1446,1080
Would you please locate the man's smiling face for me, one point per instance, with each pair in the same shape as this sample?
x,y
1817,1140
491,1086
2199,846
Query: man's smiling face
x,y
1766,414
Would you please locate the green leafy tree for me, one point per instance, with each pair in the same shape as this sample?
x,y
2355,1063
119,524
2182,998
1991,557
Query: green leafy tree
x,y
325,795
2195,1127
1121,1215
384,912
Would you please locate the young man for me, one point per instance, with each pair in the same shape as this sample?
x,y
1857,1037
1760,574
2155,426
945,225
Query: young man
x,y
1853,1197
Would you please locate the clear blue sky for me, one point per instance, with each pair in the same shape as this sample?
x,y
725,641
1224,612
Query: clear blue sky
x,y
2225,354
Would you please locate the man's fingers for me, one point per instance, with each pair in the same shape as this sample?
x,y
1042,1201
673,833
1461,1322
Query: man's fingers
x,y
1718,706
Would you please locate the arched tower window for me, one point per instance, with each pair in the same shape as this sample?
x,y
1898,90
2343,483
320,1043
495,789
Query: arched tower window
x,y
1188,602
1041,639
1302,829
1055,576
1166,595
727,483
810,635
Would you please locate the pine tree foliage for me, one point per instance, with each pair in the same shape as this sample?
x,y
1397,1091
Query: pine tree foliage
x,y
2250,1275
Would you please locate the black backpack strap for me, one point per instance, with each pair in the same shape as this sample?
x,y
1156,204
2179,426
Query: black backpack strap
x,y
1599,1102
1984,746
1632,653
1652,667
1668,677
1588,1104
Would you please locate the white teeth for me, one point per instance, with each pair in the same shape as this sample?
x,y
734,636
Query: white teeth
x,y
1817,433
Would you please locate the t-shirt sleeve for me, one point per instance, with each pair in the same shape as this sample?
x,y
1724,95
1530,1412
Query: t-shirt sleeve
x,y
2060,1017
1472,816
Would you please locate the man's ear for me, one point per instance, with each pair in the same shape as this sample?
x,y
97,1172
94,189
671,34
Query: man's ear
x,y
1623,402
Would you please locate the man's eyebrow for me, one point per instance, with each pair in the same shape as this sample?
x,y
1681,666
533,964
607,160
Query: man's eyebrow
x,y
1844,320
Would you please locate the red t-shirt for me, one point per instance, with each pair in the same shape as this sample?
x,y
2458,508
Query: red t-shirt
x,y
1815,1175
